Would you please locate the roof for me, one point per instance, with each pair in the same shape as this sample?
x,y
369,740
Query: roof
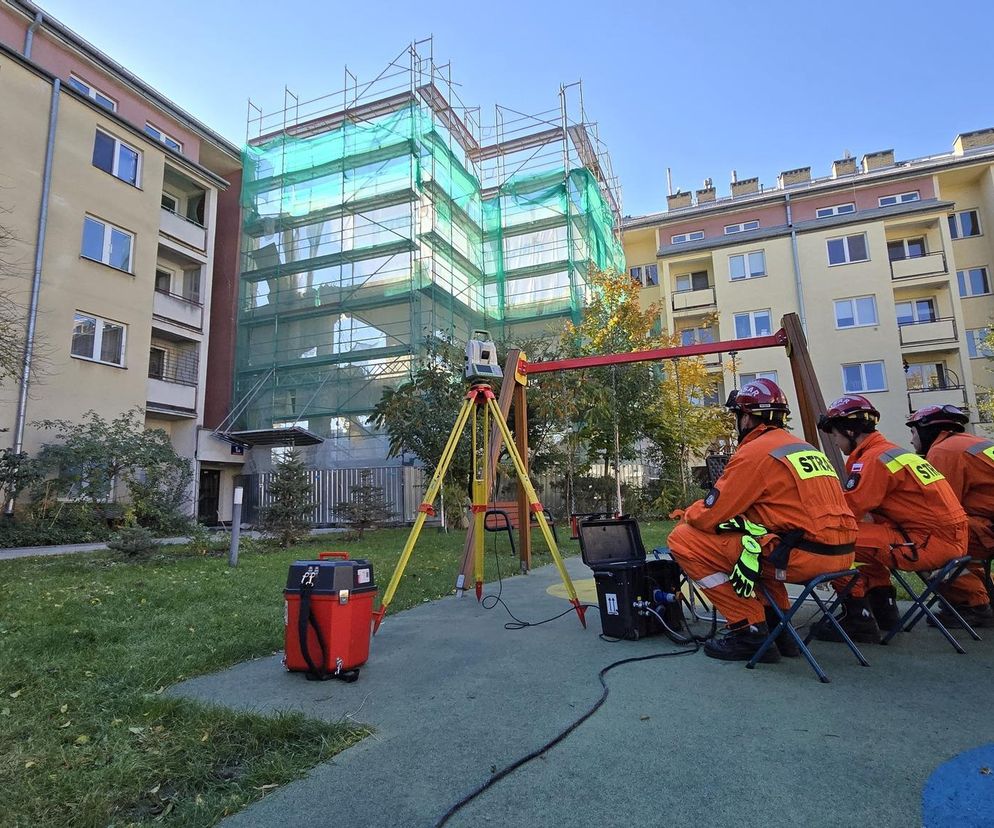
x,y
292,436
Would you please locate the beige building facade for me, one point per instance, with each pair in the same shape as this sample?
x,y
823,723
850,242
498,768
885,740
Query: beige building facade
x,y
110,195
887,263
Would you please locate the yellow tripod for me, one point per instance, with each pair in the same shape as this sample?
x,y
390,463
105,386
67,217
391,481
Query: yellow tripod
x,y
480,396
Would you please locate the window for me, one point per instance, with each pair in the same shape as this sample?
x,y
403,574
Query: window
x,y
97,339
692,281
747,265
645,275
106,243
745,379
856,312
847,249
92,92
973,282
697,235
191,285
116,157
740,228
163,280
966,223
886,201
906,249
753,323
858,377
156,362
159,135
975,343
836,210
915,310
170,202
696,336
922,375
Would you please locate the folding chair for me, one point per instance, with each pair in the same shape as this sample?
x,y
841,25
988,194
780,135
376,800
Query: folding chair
x,y
694,596
826,611
921,603
987,578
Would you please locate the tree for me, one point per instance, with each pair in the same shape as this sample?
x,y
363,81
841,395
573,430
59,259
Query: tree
x,y
367,507
985,400
11,316
292,499
17,472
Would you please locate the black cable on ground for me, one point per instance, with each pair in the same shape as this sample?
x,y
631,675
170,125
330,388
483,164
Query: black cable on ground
x,y
509,769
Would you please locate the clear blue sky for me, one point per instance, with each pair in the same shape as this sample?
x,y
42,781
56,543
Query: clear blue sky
x,y
702,87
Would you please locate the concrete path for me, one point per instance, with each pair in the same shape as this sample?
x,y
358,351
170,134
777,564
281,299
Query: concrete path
x,y
680,741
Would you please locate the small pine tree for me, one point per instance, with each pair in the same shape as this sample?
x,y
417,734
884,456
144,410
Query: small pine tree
x,y
368,506
285,519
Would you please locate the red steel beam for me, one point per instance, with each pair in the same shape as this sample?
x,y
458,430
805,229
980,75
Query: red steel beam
x,y
779,339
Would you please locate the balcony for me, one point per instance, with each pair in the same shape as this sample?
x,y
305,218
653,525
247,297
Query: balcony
x,y
185,230
687,302
172,380
929,334
917,267
178,308
171,397
944,395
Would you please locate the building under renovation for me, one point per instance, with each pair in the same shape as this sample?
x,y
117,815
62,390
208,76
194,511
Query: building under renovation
x,y
389,213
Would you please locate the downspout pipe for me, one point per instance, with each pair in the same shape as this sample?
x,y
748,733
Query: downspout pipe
x,y
797,265
29,337
29,36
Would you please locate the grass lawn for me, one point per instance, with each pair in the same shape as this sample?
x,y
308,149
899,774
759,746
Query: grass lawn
x,y
89,642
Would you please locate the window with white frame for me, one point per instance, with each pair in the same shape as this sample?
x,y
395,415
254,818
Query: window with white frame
x,y
106,243
753,323
964,224
159,135
858,377
696,336
113,156
835,210
98,339
973,282
901,198
645,275
747,265
856,312
847,249
900,249
745,379
88,89
915,310
926,375
692,281
741,227
975,343
170,202
696,235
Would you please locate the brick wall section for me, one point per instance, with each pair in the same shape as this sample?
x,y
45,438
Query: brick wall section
x,y
967,141
844,166
878,160
678,200
799,176
707,195
745,186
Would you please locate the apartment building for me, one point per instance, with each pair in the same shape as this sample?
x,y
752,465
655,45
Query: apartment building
x,y
887,263
112,194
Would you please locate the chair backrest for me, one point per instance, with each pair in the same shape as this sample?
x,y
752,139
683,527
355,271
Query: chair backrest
x,y
715,465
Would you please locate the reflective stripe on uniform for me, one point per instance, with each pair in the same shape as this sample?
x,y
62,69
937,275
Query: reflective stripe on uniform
x,y
915,463
806,460
985,447
712,581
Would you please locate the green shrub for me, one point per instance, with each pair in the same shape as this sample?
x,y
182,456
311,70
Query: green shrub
x,y
133,540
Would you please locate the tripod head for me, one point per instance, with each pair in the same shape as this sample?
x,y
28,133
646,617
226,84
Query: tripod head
x,y
481,358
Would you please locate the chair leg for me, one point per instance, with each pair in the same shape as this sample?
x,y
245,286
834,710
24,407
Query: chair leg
x,y
919,609
828,613
786,625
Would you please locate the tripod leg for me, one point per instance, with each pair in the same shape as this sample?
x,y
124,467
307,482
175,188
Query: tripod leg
x,y
480,478
424,510
536,507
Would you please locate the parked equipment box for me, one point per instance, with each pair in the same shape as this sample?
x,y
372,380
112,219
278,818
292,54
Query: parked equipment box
x,y
607,541
328,613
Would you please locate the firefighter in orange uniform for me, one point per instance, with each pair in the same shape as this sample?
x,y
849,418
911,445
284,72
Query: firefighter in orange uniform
x,y
917,522
777,513
967,462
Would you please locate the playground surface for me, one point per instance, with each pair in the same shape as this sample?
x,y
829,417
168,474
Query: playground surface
x,y
454,696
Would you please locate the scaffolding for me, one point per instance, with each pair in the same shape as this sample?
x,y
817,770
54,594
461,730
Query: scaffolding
x,y
386,214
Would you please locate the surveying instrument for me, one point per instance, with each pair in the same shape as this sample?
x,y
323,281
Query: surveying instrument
x,y
481,367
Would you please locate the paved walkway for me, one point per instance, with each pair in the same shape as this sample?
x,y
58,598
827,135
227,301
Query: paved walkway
x,y
680,741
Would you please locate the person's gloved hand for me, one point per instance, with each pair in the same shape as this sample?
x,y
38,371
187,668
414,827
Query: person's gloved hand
x,y
745,573
740,523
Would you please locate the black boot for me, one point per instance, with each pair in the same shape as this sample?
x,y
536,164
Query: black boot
x,y
856,619
883,605
785,643
740,644
978,616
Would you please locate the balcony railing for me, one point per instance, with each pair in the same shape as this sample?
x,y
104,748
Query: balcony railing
x,y
177,368
186,230
934,264
693,299
178,308
928,332
945,394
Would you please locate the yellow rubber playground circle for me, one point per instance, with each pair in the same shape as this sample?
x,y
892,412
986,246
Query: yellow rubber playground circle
x,y
586,591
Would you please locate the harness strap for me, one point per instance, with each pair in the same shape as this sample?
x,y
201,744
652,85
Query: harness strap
x,y
794,539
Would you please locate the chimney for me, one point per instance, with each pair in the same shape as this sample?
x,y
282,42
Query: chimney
x,y
707,193
878,160
745,186
788,178
677,200
844,166
966,141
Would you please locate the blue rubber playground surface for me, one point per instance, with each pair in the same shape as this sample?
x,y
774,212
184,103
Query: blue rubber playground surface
x,y
684,740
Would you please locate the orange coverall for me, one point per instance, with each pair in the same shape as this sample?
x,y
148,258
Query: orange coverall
x,y
967,462
782,483
901,490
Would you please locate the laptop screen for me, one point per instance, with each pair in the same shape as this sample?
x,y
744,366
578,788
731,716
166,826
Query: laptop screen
x,y
610,541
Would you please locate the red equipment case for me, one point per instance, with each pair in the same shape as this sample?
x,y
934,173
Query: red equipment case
x,y
328,613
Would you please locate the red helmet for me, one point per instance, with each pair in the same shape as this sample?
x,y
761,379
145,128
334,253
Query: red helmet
x,y
850,407
948,415
760,396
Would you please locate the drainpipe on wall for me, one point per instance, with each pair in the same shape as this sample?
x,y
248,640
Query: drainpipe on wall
x,y
29,36
797,266
29,337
